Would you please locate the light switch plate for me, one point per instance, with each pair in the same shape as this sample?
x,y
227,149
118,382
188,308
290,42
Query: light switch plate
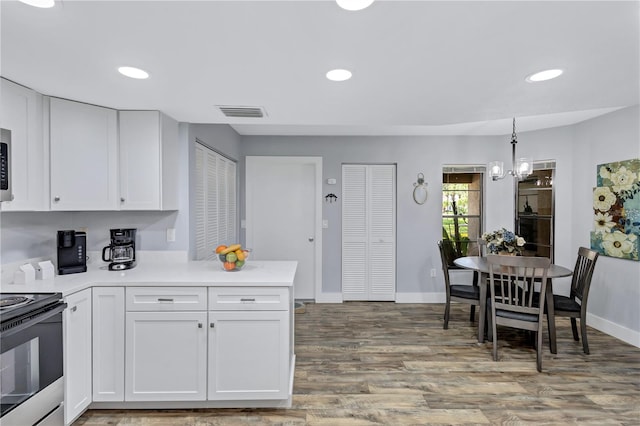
x,y
325,223
331,181
171,235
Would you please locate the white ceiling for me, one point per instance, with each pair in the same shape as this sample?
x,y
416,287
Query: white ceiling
x,y
419,67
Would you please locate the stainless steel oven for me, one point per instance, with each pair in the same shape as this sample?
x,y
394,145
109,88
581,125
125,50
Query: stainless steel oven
x,y
5,165
31,363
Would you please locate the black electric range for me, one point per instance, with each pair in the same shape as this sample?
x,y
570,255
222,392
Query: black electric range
x,y
15,308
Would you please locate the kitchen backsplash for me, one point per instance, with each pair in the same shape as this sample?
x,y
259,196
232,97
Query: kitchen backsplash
x,y
31,235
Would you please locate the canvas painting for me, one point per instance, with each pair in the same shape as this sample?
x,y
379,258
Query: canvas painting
x,y
616,208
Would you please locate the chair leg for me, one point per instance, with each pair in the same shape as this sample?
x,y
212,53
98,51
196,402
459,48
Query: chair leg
x,y
494,335
583,330
574,328
472,315
539,351
446,314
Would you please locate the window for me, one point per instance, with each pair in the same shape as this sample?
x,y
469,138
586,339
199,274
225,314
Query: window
x,y
215,202
535,210
462,189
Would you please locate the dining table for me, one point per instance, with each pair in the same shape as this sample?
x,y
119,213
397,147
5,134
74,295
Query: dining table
x,y
480,264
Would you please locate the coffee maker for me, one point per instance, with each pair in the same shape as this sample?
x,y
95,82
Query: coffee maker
x,y
72,252
122,250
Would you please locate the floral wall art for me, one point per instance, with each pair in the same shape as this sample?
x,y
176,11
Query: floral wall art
x,y
616,208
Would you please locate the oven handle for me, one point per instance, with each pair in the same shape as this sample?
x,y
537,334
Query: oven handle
x,y
35,319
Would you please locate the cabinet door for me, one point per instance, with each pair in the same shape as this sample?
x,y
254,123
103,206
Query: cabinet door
x,y
166,356
147,179
84,156
77,354
108,343
248,355
21,112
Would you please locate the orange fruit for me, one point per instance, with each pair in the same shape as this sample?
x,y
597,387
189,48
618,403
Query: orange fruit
x,y
229,266
220,248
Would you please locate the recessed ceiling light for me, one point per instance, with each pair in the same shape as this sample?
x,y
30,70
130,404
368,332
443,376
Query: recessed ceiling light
x,y
339,75
544,75
133,72
39,3
354,4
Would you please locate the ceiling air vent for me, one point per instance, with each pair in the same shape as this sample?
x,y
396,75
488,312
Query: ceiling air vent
x,y
242,111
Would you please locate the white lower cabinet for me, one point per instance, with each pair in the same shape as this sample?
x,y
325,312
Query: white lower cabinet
x,y
108,344
77,354
166,344
248,355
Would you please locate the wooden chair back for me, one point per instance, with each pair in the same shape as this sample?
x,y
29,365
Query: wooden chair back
x,y
582,274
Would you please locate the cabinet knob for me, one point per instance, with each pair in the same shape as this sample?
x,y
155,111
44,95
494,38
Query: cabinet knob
x,y
311,239
212,325
122,199
73,309
56,199
199,325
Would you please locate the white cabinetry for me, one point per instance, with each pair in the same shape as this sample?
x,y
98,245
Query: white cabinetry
x,y
108,343
166,344
249,351
21,111
84,156
77,354
148,161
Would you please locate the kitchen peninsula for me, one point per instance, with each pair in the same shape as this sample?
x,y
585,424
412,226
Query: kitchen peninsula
x,y
176,335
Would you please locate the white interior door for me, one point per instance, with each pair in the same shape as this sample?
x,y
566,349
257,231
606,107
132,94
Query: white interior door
x,y
368,232
284,216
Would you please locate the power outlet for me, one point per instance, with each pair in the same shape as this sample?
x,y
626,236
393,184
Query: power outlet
x,y
433,272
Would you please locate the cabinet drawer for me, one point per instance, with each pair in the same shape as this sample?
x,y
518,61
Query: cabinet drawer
x,y
166,299
248,298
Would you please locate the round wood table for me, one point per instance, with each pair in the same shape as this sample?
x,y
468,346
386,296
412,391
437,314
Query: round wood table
x,y
479,263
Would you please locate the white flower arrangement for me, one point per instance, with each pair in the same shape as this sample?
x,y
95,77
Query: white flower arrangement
x,y
502,241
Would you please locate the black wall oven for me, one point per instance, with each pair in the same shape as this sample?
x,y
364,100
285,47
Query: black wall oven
x,y
31,360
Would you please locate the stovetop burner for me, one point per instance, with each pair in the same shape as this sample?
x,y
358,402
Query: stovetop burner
x,y
13,301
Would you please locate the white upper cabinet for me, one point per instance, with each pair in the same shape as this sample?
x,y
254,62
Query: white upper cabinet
x,y
148,161
84,156
21,112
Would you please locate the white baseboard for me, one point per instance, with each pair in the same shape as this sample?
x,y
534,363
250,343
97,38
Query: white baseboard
x,y
618,331
329,298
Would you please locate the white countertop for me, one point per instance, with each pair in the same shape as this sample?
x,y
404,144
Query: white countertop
x,y
255,273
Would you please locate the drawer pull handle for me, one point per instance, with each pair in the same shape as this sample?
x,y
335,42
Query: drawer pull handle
x,y
248,299
160,299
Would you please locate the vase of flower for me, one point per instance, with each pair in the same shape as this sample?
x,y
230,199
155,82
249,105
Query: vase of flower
x,y
504,242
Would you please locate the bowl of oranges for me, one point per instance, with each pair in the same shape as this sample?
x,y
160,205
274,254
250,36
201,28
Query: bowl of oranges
x,y
233,257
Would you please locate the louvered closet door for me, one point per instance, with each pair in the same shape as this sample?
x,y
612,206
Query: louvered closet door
x,y
368,232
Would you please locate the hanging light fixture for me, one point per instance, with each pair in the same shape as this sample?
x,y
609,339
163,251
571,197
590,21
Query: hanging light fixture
x,y
521,167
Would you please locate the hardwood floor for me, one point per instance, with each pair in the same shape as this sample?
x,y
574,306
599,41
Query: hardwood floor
x,y
393,364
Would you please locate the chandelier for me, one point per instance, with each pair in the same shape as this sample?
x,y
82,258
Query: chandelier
x,y
520,168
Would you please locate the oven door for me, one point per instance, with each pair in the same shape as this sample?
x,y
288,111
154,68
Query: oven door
x,y
31,361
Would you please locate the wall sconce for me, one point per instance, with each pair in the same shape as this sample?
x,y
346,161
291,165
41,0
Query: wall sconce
x,y
521,167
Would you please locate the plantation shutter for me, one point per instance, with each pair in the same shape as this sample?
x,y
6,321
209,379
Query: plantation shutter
x,y
368,232
215,202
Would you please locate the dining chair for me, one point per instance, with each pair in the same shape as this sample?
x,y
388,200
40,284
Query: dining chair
x,y
513,300
575,305
457,292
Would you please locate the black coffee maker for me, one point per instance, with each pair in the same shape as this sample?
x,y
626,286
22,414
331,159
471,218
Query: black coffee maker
x,y
72,252
122,250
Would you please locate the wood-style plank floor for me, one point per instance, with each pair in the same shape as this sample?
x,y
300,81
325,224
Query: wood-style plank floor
x,y
366,363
